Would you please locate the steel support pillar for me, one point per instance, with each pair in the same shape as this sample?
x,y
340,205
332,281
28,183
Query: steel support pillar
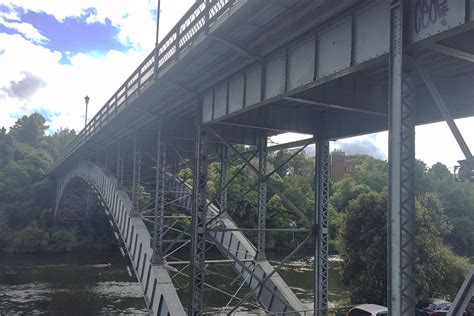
x,y
199,212
223,188
137,159
321,228
159,212
262,197
401,202
119,171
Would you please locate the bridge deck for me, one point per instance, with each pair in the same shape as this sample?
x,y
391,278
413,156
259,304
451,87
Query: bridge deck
x,y
301,66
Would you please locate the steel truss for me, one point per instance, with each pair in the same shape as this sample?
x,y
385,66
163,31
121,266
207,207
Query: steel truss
x,y
321,228
401,203
160,199
262,197
199,212
136,173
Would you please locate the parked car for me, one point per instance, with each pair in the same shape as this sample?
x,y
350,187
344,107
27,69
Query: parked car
x,y
432,307
368,310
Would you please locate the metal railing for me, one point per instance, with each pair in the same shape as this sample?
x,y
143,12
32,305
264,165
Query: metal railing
x,y
197,20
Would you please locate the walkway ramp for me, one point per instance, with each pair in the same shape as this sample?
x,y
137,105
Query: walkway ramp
x,y
275,296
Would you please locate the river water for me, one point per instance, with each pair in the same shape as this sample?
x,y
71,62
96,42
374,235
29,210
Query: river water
x,y
82,284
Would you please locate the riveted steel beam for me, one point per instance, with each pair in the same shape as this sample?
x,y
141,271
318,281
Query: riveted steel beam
x,y
159,209
321,226
199,212
401,203
262,196
137,160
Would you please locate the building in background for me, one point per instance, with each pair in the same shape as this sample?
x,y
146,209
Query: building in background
x,y
341,165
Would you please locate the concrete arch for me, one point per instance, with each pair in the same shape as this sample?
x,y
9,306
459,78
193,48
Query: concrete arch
x,y
159,292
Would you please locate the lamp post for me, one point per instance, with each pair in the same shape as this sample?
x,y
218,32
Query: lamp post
x,y
86,98
157,54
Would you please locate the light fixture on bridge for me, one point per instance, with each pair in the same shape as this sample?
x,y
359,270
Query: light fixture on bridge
x,y
86,98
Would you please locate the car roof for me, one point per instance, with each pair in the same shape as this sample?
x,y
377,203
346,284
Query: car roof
x,y
434,300
372,308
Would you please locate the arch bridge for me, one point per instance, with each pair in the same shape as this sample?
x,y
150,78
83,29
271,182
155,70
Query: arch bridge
x,y
236,72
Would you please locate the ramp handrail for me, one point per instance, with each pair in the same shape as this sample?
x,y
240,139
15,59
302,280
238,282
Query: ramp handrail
x,y
464,296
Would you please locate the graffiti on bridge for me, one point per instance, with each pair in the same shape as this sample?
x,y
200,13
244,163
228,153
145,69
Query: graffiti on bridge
x,y
429,12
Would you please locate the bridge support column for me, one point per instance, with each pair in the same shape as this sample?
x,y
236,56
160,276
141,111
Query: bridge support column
x,y
159,212
137,158
401,202
321,226
223,188
262,197
199,213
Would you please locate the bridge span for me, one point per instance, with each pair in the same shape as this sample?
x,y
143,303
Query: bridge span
x,y
235,72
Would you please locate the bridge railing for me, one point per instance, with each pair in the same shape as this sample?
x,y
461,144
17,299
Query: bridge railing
x,y
197,20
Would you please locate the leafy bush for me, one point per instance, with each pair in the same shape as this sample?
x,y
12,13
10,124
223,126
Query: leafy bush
x,y
29,239
62,240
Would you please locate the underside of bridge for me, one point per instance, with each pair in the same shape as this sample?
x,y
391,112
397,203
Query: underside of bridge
x,y
235,72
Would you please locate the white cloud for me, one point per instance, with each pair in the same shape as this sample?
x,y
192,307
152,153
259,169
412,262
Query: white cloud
x,y
65,86
134,19
433,143
25,29
99,77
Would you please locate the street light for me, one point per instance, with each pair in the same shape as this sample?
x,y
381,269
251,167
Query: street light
x,y
86,98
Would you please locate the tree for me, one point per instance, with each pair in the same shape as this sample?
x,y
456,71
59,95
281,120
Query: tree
x,y
345,191
300,164
458,202
59,140
6,147
62,240
371,172
29,239
29,129
438,272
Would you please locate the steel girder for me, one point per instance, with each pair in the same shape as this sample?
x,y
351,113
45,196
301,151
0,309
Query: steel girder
x,y
321,226
137,160
160,199
223,179
401,204
199,213
262,197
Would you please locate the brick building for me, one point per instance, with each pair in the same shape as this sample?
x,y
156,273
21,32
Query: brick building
x,y
341,165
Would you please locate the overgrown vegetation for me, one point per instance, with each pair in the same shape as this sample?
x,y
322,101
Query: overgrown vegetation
x,y
27,195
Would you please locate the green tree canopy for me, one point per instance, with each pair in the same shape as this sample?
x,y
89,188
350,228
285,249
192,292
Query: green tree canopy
x,y
438,271
29,129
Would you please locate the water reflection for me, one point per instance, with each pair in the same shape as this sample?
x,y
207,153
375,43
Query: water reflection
x,y
80,283
60,284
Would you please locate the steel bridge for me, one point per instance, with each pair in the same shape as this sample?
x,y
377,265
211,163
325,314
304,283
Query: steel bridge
x,y
236,72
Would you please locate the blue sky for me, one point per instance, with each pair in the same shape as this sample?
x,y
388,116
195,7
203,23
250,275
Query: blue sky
x,y
72,35
53,53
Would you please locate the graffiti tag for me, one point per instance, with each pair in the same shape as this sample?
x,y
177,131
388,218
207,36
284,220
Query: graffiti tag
x,y
429,12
